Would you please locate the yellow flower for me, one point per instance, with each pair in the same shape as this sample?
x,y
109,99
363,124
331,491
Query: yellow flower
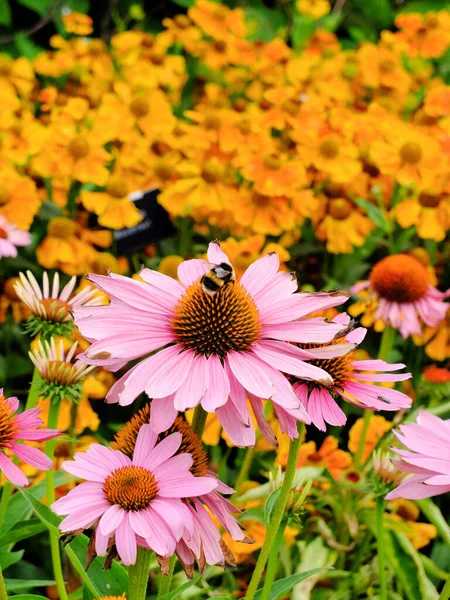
x,y
19,200
313,8
429,212
63,249
436,340
169,265
378,426
77,23
408,512
114,208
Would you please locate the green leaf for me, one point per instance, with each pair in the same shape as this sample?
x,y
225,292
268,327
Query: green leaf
x,y
5,13
29,597
435,516
185,586
108,583
424,6
22,531
281,587
184,3
48,518
26,46
270,505
303,27
9,558
25,584
377,12
19,507
40,6
264,24
375,214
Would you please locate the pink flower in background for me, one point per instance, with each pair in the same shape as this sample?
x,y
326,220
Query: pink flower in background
x,y
134,501
11,237
351,383
23,427
399,287
427,459
211,349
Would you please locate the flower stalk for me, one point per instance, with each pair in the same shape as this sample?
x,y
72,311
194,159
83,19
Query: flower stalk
x,y
445,594
138,575
272,563
3,592
279,512
380,548
53,415
166,580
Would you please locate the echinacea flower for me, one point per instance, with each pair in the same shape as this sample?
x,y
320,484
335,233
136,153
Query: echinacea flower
x,y
11,237
60,377
134,501
351,382
23,427
207,545
427,459
220,346
399,285
51,307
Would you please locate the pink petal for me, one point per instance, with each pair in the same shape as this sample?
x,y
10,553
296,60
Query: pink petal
x,y
251,373
161,539
376,365
162,367
126,542
185,487
12,471
162,413
259,274
382,377
161,452
190,271
216,255
139,524
145,444
307,331
175,514
263,425
32,456
111,519
239,434
219,385
195,384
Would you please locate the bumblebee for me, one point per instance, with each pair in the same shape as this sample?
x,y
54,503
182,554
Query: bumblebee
x,y
216,277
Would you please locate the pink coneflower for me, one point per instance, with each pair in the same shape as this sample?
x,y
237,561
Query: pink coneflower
x,y
400,287
60,377
351,382
11,237
14,428
205,543
53,305
207,348
135,501
427,460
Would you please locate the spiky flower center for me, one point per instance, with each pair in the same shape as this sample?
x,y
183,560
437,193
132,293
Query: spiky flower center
x,y
227,320
212,171
56,310
340,208
400,278
411,153
62,228
61,372
429,200
7,422
132,488
139,107
117,188
78,147
125,439
340,368
329,147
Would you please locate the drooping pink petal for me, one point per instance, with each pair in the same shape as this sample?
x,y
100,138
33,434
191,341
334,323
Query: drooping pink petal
x,y
240,435
111,519
32,456
218,386
162,413
126,542
12,471
251,373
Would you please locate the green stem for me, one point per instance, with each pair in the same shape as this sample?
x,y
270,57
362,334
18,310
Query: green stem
x,y
272,563
245,468
380,548
279,511
199,420
53,414
362,438
138,575
166,580
6,495
33,393
3,592
445,594
386,345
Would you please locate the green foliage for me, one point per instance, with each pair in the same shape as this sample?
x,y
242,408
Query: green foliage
x,y
281,587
